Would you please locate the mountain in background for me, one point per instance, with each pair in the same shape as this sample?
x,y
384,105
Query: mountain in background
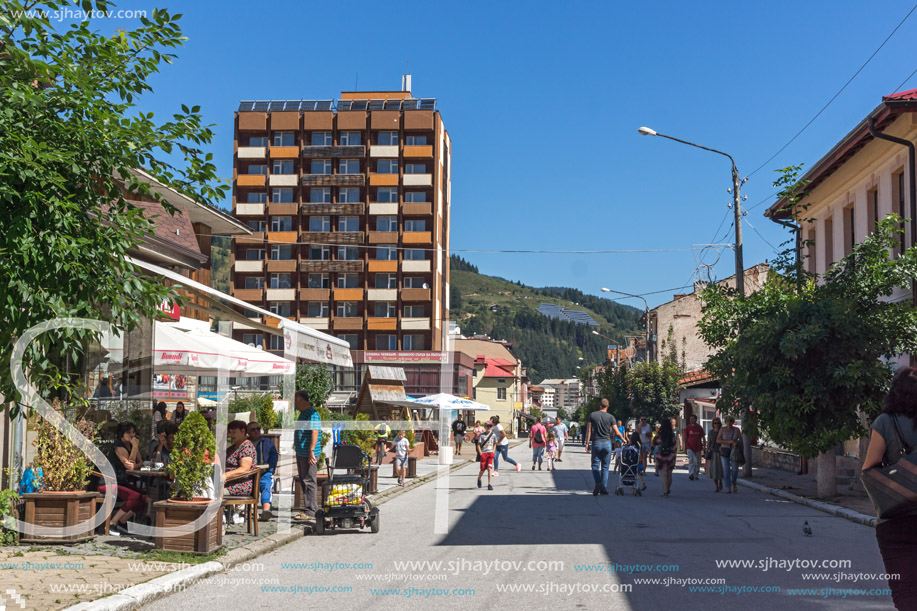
x,y
548,348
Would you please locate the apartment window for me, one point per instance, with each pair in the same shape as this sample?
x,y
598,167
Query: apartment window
x,y
872,210
387,195
349,166
350,195
346,309
415,140
414,311
351,339
284,139
251,339
849,230
321,166
254,282
348,281
317,309
257,226
387,166
829,243
501,394
348,253
386,342
257,141
254,254
320,196
387,138
415,168
281,252
282,195
282,166
256,198
414,282
386,223
319,253
386,281
348,223
351,138
280,308
281,223
281,281
384,309
257,168
415,342
275,342
318,281
319,223
415,196
321,138
415,225
415,254
386,253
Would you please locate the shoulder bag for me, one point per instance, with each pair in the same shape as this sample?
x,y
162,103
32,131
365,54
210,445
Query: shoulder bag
x,y
893,488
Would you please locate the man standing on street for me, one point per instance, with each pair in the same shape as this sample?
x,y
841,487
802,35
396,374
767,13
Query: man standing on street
x,y
458,434
694,444
560,432
306,444
600,430
538,438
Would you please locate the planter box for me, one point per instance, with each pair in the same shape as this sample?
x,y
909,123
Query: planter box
x,y
57,510
321,478
410,471
419,450
205,540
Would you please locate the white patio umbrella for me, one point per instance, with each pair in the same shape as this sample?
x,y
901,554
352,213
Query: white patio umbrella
x,y
253,361
446,401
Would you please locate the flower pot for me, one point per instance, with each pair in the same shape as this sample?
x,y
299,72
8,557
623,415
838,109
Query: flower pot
x,y
58,510
172,515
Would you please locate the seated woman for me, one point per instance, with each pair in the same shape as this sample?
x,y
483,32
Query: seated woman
x,y
125,456
240,459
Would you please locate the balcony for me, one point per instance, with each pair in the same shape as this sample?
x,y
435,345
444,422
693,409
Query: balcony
x,y
314,323
418,208
309,265
334,209
383,180
381,324
388,209
418,151
286,237
284,152
383,151
250,180
333,180
250,266
348,294
417,237
324,152
280,294
349,323
418,180
383,237
284,180
382,294
251,152
255,238
249,295
415,294
336,237
314,294
382,266
415,266
250,209
282,265
285,209
415,324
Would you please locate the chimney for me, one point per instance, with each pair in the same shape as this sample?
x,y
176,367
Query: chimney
x,y
406,83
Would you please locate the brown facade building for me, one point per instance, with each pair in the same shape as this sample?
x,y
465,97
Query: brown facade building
x,y
349,202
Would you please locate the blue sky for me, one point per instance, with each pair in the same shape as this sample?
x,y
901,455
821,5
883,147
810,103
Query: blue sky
x,y
543,101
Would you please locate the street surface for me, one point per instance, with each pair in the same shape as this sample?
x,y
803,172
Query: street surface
x,y
532,519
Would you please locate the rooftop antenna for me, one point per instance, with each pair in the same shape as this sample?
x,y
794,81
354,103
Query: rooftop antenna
x,y
406,79
356,82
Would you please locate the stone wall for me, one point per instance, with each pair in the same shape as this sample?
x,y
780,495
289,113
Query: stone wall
x,y
772,458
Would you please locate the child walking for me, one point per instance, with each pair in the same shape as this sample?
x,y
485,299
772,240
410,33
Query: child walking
x,y
401,447
550,450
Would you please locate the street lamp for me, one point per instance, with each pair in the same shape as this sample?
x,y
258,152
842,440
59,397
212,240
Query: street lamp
x,y
740,267
646,308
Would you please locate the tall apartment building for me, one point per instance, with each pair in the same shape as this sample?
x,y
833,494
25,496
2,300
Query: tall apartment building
x,y
349,202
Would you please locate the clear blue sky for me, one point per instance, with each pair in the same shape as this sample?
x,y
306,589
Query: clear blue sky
x,y
543,101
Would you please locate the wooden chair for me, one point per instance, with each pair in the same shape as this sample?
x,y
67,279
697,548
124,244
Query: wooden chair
x,y
250,502
98,502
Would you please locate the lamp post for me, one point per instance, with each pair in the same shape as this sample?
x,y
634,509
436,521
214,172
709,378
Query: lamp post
x,y
646,309
740,267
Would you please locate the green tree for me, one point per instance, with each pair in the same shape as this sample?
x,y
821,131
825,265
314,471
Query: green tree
x,y
70,134
654,389
316,380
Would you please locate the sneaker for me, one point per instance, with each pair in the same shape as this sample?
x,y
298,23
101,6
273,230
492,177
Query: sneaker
x,y
266,515
518,468
113,532
479,483
533,467
595,491
121,529
604,492
691,477
238,519
489,487
495,473
401,484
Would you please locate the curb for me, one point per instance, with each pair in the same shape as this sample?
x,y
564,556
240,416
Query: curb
x,y
841,512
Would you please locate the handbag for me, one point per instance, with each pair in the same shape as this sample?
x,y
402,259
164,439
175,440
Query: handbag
x,y
738,454
893,488
708,455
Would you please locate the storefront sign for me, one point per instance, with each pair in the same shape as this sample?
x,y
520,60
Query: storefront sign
x,y
405,357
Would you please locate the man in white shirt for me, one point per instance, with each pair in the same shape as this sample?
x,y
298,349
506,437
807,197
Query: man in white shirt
x,y
560,433
502,446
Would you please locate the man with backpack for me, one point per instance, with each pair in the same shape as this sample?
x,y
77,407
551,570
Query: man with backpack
x,y
538,438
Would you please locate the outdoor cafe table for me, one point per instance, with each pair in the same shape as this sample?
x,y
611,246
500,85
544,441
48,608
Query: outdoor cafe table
x,y
157,482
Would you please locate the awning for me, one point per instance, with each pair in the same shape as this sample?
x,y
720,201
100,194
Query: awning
x,y
309,344
255,362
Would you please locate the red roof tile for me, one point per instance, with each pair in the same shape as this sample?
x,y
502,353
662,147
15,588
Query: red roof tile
x,y
693,377
910,94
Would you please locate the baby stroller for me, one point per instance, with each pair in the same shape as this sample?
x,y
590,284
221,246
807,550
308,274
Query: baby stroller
x,y
627,467
344,503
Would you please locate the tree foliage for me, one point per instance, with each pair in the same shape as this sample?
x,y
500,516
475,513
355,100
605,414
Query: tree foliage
x,y
69,136
654,389
316,380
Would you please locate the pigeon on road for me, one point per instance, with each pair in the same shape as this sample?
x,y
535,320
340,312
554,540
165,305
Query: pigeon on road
x,y
807,529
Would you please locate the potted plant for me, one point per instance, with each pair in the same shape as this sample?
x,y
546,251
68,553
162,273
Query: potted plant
x,y
62,499
193,455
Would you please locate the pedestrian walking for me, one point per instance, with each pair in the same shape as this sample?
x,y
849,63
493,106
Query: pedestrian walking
x,y
714,464
893,434
634,440
694,444
538,436
485,446
458,435
501,446
666,447
550,450
679,440
655,448
599,432
728,437
574,430
476,431
623,430
401,446
644,428
560,431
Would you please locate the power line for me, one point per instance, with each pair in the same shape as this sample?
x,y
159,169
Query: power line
x,y
761,236
834,97
898,88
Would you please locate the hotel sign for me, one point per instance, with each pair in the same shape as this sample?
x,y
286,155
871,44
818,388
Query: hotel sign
x,y
381,357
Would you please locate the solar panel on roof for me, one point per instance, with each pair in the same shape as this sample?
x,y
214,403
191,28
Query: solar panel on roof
x,y
410,104
428,103
393,105
344,105
323,105
276,106
376,104
260,106
246,106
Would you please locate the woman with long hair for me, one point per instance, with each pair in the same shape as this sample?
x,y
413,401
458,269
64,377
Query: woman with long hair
x,y
897,537
728,437
664,443
714,464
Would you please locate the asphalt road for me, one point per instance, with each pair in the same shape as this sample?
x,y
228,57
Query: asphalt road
x,y
545,529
